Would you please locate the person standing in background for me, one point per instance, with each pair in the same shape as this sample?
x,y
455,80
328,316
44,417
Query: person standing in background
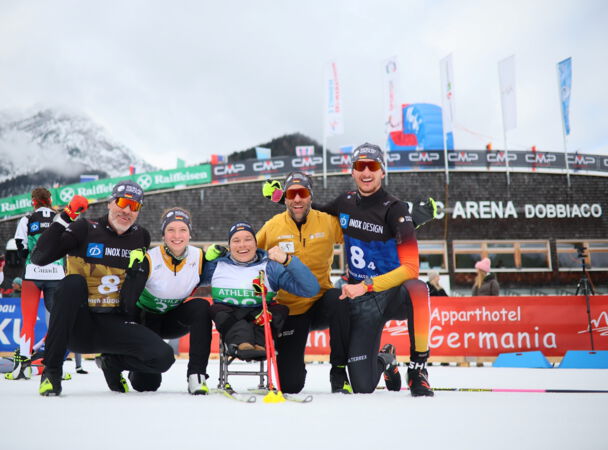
x,y
435,289
37,279
485,281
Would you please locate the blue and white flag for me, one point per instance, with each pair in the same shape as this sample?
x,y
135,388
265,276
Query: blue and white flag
x,y
263,153
564,71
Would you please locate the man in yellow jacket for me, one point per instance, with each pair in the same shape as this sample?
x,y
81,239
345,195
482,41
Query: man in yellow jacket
x,y
310,235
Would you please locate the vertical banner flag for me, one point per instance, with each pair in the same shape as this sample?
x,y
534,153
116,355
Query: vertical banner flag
x,y
447,93
392,109
263,153
305,150
506,75
334,124
564,70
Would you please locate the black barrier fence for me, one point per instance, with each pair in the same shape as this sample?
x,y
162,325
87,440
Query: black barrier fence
x,y
476,160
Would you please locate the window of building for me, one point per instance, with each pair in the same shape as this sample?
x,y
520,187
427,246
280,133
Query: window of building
x,y
338,267
433,256
506,256
571,254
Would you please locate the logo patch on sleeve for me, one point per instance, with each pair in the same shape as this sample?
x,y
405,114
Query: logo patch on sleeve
x,y
344,220
95,250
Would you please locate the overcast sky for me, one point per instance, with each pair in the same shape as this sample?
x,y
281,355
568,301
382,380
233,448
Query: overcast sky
x,y
187,79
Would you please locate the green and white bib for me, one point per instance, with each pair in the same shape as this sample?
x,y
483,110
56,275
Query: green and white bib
x,y
233,284
166,290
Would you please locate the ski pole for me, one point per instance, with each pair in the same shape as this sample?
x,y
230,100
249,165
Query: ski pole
x,y
271,360
552,391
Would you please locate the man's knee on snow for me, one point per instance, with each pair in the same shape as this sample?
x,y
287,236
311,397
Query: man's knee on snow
x,y
293,385
160,358
145,382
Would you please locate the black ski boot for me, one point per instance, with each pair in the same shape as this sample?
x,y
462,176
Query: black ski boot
x,y
113,376
418,380
50,383
392,377
339,380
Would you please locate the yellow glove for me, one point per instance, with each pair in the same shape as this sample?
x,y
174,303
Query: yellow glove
x,y
272,190
215,251
136,256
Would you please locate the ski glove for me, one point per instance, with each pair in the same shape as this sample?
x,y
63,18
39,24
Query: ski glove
x,y
259,319
215,251
136,256
272,190
423,212
259,287
77,205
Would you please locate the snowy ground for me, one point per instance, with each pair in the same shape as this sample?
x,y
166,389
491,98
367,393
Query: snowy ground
x,y
88,416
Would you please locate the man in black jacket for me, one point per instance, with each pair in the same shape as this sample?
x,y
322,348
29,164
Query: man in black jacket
x,y
87,316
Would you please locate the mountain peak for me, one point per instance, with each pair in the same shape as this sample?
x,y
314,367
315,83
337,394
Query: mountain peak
x,y
66,143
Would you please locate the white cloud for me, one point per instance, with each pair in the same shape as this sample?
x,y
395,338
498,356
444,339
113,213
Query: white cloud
x,y
192,78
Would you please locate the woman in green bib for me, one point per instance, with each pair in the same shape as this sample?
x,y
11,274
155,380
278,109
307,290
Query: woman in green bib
x,y
236,309
157,294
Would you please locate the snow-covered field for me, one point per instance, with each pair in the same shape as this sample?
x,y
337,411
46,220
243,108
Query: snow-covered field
x,y
89,416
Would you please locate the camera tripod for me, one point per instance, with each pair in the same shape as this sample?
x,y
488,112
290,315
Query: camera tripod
x,y
585,287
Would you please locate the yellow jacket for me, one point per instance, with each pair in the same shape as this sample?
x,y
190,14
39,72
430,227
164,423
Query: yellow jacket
x,y
313,244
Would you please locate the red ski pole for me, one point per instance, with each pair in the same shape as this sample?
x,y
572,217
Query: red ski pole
x,y
271,358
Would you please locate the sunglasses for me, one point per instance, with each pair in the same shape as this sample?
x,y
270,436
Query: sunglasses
x,y
290,194
124,202
373,166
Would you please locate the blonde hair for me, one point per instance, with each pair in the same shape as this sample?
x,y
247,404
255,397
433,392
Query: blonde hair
x,y
479,278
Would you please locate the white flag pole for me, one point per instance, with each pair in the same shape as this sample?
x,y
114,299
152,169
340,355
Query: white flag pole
x,y
506,155
446,80
506,77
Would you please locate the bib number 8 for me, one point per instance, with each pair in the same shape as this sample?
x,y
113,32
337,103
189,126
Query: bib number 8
x,y
109,284
357,258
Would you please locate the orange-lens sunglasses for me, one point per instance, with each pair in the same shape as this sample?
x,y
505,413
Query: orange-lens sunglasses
x,y
290,194
360,165
124,202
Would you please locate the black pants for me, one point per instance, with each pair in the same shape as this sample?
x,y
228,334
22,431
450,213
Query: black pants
x,y
191,317
327,312
369,313
236,324
73,325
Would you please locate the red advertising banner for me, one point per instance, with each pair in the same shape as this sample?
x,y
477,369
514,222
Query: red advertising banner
x,y
488,326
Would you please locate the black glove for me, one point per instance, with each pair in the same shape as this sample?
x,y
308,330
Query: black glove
x,y
423,212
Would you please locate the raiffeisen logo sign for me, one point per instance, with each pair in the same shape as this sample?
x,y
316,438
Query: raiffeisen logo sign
x,y
463,157
228,169
267,165
307,161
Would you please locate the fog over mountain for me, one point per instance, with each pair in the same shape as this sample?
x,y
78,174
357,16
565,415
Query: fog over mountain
x,y
50,146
